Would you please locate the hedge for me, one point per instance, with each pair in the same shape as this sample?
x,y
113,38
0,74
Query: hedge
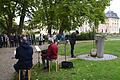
x,y
83,36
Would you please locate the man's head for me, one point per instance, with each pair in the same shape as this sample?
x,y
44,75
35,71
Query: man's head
x,y
24,39
77,32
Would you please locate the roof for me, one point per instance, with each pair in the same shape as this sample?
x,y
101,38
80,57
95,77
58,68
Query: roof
x,y
111,14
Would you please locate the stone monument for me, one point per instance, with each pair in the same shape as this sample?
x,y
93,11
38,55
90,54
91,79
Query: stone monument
x,y
99,40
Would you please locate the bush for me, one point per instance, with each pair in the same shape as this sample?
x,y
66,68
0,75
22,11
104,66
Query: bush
x,y
86,36
83,36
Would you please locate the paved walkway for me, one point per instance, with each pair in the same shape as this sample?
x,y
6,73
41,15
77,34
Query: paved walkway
x,y
6,63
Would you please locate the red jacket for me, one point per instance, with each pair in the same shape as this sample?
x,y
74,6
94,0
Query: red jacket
x,y
52,52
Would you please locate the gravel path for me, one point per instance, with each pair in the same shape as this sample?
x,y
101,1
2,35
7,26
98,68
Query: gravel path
x,y
6,63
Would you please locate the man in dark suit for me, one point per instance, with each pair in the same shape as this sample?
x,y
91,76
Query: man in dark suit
x,y
11,40
24,55
72,42
0,41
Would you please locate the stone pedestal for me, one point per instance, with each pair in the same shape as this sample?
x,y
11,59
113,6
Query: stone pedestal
x,y
100,46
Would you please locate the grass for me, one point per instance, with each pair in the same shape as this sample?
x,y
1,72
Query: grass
x,y
85,70
80,48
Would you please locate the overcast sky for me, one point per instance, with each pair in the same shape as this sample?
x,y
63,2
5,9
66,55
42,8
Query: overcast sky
x,y
115,6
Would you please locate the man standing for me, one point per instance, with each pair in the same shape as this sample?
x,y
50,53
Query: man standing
x,y
24,55
11,40
72,42
50,54
1,41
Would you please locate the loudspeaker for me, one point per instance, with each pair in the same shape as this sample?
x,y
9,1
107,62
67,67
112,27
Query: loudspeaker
x,y
66,64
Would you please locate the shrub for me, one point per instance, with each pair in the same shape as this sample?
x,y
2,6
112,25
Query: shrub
x,y
83,36
86,36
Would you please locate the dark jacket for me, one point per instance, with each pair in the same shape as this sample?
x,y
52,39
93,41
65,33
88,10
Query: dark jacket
x,y
0,41
24,55
72,38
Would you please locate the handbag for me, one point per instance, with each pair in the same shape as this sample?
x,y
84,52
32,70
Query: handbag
x,y
67,64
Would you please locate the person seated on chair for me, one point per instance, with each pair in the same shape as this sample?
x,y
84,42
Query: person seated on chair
x,y
50,54
24,55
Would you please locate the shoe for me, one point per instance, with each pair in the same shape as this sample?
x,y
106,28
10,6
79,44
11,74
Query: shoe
x,y
45,67
73,56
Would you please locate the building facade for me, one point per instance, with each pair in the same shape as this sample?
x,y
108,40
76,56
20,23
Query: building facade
x,y
110,26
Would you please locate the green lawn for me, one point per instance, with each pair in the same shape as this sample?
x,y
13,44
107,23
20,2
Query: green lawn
x,y
85,70
80,48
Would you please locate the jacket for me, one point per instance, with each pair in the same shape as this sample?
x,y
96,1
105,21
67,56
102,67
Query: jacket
x,y
72,38
24,55
52,52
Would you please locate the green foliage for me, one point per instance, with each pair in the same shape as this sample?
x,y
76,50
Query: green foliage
x,y
45,15
86,36
0,6
10,9
67,15
2,24
83,36
96,11
26,9
63,15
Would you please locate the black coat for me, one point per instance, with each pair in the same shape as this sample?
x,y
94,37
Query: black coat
x,y
72,38
0,41
24,55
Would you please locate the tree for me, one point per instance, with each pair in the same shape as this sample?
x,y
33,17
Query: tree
x,y
45,15
96,14
8,8
2,25
78,11
68,15
26,9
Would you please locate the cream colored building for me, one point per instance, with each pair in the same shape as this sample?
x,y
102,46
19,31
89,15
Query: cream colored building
x,y
111,24
85,27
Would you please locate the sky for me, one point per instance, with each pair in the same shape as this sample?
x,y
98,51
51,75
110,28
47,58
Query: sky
x,y
114,6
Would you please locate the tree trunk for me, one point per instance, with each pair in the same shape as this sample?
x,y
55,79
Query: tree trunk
x,y
21,23
9,25
49,30
61,30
